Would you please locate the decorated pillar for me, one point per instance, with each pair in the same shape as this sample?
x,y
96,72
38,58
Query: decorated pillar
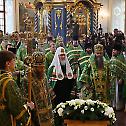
x,y
97,22
96,17
36,22
39,9
94,22
68,29
49,21
49,9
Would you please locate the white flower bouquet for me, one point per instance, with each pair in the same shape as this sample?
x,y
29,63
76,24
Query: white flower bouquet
x,y
79,109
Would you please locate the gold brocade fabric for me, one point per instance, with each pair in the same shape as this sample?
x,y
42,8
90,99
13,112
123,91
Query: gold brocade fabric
x,y
96,81
43,104
100,87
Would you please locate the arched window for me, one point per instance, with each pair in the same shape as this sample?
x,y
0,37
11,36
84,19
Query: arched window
x,y
2,15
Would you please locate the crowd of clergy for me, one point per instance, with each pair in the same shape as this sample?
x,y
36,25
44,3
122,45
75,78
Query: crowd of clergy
x,y
86,67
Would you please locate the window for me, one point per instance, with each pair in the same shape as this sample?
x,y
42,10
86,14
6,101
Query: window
x,y
2,15
10,15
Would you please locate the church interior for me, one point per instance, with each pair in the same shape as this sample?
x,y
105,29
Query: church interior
x,y
77,31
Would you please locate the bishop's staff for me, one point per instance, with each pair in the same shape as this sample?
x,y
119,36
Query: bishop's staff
x,y
29,88
29,82
29,62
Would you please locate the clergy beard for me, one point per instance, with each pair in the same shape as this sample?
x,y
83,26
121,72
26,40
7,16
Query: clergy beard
x,y
39,74
63,62
99,62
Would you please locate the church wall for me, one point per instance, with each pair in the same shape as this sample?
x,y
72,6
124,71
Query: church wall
x,y
112,15
104,15
118,14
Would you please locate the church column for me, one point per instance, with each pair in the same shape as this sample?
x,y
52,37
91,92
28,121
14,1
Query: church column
x,y
110,7
48,7
41,21
49,21
36,22
68,22
97,21
94,22
125,17
96,18
16,15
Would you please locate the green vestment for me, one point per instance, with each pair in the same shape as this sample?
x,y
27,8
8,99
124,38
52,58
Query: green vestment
x,y
11,102
73,55
96,83
21,52
41,95
118,72
48,60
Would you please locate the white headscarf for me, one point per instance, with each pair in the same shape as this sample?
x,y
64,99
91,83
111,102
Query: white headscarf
x,y
57,65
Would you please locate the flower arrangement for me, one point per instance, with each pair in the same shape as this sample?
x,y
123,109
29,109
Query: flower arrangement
x,y
79,109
